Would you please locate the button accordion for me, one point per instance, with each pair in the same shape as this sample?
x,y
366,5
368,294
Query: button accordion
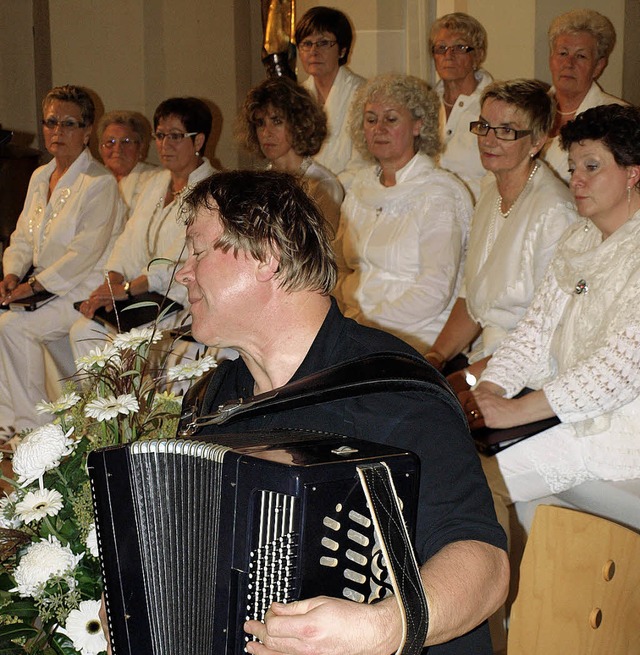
x,y
197,536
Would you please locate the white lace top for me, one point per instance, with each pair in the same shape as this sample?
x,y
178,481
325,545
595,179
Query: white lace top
x,y
579,341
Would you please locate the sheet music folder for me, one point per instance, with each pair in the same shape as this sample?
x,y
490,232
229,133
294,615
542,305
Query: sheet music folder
x,y
136,316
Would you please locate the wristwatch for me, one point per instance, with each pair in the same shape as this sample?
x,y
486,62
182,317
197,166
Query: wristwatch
x,y
127,288
469,377
31,281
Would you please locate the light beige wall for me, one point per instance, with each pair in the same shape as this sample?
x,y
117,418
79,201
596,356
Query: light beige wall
x,y
17,86
135,53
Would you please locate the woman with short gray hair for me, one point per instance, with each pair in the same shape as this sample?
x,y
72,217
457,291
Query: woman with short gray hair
x,y
580,42
458,44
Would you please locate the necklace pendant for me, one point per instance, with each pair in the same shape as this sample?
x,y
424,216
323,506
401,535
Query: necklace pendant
x,y
581,287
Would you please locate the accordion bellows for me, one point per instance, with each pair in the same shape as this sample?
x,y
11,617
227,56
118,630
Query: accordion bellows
x,y
197,536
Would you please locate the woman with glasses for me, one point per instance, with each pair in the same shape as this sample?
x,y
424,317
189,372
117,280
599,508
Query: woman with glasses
x,y
71,214
323,36
522,212
124,138
580,42
181,129
458,45
281,122
404,222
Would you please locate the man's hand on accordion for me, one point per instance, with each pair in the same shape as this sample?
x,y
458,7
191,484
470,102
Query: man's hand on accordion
x,y
327,626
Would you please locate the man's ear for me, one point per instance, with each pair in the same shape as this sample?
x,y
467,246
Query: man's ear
x,y
267,269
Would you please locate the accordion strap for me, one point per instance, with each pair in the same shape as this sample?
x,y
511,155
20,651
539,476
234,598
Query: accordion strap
x,y
395,543
382,372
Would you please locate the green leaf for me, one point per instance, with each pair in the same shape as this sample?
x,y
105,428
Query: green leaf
x,y
62,645
24,609
16,631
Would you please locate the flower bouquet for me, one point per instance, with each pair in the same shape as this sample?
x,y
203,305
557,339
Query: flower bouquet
x,y
50,583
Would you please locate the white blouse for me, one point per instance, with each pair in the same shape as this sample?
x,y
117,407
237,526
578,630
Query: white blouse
x,y
155,231
403,247
338,153
553,154
461,155
507,257
67,237
580,342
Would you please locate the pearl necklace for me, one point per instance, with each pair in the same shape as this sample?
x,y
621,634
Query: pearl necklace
x,y
448,104
566,113
515,202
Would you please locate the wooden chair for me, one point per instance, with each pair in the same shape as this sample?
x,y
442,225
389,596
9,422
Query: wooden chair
x,y
579,587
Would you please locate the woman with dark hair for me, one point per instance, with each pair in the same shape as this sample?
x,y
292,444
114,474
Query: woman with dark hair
x,y
578,345
324,36
123,137
71,214
282,122
181,129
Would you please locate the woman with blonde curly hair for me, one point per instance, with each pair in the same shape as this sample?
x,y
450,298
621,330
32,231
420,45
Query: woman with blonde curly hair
x,y
281,121
580,42
404,221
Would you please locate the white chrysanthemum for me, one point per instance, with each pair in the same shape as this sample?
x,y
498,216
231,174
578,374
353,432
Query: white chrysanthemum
x,y
192,369
42,561
136,338
8,518
104,409
97,358
84,629
38,504
40,451
66,401
92,541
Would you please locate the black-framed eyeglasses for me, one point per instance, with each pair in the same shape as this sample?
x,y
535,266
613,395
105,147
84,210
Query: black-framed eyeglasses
x,y
457,49
176,137
480,128
322,44
110,144
66,124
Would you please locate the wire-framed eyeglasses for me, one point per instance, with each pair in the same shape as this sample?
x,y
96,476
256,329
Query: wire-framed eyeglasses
x,y
480,128
457,49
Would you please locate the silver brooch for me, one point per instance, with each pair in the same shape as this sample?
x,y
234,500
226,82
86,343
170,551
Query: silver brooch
x,y
581,287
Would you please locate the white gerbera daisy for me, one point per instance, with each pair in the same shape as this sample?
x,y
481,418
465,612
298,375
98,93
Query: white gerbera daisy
x,y
38,504
43,560
63,403
192,369
104,409
84,629
92,541
40,451
136,338
97,358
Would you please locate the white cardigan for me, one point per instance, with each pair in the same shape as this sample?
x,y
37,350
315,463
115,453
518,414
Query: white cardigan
x,y
403,248
583,350
507,258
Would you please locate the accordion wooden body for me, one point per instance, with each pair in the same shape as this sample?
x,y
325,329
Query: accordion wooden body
x,y
197,536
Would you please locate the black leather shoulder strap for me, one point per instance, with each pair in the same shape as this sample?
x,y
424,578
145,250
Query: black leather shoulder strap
x,y
381,372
